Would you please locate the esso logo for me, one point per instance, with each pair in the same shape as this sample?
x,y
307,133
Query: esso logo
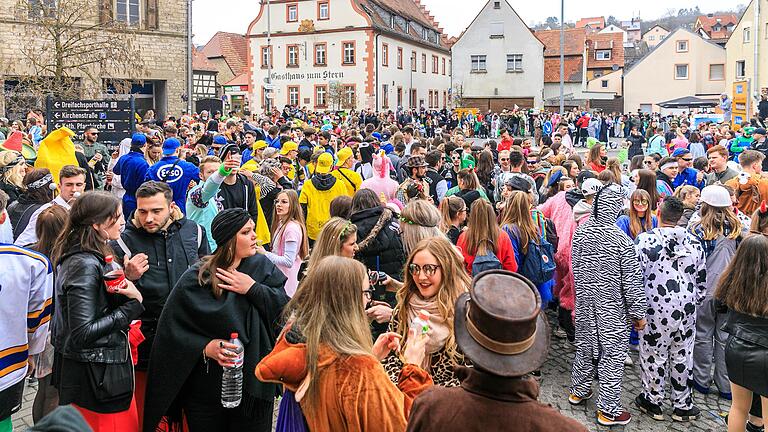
x,y
170,173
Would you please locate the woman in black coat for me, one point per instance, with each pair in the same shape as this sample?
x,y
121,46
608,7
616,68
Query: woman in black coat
x,y
93,368
743,290
232,291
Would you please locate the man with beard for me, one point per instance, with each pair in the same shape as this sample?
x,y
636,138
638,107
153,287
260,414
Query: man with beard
x,y
415,186
158,245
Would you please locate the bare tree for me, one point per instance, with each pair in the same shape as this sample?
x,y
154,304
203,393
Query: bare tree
x,y
458,96
335,95
72,50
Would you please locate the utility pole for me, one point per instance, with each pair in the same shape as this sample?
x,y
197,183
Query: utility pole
x,y
562,56
190,101
271,91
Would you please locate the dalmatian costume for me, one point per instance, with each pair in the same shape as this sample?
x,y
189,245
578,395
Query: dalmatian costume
x,y
609,293
674,275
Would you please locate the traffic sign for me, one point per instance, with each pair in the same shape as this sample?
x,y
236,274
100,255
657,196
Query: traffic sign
x,y
269,86
114,119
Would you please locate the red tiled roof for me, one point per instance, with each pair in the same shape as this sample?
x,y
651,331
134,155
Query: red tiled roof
x,y
594,22
240,80
706,22
230,46
603,41
200,62
574,41
573,69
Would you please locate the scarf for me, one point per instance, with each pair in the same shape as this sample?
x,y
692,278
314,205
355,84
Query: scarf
x,y
439,330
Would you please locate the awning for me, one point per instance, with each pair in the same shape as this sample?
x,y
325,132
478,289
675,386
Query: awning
x,y
689,102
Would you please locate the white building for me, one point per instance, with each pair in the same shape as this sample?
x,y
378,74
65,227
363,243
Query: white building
x,y
498,62
343,54
615,29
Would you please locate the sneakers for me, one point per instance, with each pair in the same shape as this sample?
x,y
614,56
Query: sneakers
x,y
682,415
628,361
609,420
653,410
752,428
578,400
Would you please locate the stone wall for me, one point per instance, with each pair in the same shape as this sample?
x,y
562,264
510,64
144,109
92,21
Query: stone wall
x,y
163,50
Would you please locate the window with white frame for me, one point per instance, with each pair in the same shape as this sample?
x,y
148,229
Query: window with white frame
x,y
349,95
292,13
349,53
320,55
478,63
321,96
651,38
716,72
681,46
747,35
514,62
741,69
266,56
323,11
293,95
603,54
497,30
293,55
681,71
127,11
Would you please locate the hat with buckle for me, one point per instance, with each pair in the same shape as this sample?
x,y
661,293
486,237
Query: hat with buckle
x,y
499,324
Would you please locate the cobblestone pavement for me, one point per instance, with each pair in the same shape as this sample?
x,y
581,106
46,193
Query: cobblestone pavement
x,y
556,377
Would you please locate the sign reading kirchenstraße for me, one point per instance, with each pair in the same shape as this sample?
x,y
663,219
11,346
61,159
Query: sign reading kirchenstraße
x,y
115,119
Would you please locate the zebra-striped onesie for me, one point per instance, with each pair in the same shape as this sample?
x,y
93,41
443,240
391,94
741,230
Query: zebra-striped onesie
x,y
609,292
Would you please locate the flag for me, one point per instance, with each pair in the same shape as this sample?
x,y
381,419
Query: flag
x,y
56,150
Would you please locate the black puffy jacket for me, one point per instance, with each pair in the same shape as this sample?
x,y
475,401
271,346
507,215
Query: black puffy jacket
x,y
90,325
169,253
378,237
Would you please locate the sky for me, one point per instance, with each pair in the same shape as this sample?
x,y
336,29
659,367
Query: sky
x,y
210,16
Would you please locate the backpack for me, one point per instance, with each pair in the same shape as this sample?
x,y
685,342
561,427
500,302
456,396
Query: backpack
x,y
486,261
538,265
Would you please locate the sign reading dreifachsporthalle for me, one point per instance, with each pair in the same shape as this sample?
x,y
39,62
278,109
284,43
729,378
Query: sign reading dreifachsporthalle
x,y
115,119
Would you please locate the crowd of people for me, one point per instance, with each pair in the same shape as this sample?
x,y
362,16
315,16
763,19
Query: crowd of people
x,y
378,265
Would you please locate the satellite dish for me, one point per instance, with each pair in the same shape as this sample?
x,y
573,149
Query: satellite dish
x,y
615,67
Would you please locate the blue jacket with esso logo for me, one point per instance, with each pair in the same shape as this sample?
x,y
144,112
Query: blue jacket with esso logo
x,y
178,174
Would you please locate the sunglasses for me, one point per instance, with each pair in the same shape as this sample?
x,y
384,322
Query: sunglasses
x,y
687,159
640,201
503,159
428,269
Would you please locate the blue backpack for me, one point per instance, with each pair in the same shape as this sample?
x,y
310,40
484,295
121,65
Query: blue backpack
x,y
538,265
486,261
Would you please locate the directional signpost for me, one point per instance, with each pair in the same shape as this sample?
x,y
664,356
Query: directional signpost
x,y
115,119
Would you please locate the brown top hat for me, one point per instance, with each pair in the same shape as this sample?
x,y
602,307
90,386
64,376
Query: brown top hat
x,y
499,324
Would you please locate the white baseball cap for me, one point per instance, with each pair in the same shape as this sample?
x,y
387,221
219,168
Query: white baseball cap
x,y
716,196
591,186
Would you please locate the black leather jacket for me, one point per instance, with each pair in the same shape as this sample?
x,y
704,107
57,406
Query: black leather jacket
x,y
90,325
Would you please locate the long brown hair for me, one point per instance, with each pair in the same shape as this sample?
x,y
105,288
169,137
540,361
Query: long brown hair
x,y
222,258
517,213
593,156
454,282
482,228
614,165
450,207
636,226
294,215
328,310
715,221
646,180
94,207
743,286
50,223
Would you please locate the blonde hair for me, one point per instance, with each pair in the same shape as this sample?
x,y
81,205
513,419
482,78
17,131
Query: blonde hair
x,y
482,228
454,281
328,311
715,220
683,192
334,233
517,213
419,220
15,174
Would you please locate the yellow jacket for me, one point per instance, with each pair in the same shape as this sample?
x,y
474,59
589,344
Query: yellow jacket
x,y
350,179
317,194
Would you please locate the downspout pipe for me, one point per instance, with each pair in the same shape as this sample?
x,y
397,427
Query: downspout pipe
x,y
756,50
376,71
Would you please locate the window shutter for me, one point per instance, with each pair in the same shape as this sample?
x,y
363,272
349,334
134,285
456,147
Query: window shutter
x,y
106,11
152,18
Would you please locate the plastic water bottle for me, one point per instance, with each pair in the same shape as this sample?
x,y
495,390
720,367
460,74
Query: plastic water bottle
x,y
420,324
232,378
